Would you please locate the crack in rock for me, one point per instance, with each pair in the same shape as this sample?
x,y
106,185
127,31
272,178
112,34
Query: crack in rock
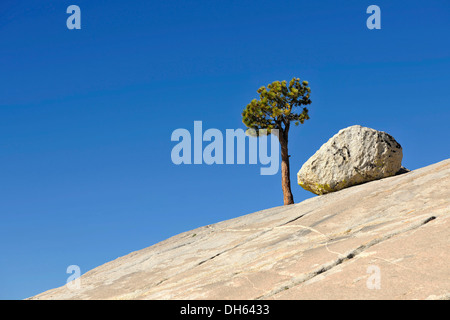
x,y
349,255
265,230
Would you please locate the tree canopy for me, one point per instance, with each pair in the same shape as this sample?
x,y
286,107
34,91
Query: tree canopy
x,y
278,106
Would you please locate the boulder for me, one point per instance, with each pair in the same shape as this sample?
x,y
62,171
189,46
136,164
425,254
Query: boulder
x,y
353,156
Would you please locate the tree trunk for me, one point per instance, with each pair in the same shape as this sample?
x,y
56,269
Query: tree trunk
x,y
285,171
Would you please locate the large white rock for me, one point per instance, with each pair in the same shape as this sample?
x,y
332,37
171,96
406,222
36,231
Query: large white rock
x,y
353,156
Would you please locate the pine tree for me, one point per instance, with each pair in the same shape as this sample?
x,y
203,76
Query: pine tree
x,y
278,105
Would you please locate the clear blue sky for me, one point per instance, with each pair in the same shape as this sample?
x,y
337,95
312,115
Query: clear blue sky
x,y
86,115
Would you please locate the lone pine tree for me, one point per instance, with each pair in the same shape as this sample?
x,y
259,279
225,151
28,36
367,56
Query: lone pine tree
x,y
277,106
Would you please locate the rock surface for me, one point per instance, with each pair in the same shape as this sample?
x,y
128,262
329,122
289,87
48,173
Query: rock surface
x,y
353,156
387,239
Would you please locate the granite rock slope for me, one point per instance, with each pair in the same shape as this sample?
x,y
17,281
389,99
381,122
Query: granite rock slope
x,y
386,239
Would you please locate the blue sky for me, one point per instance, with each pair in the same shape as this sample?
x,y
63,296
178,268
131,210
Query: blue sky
x,y
86,115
